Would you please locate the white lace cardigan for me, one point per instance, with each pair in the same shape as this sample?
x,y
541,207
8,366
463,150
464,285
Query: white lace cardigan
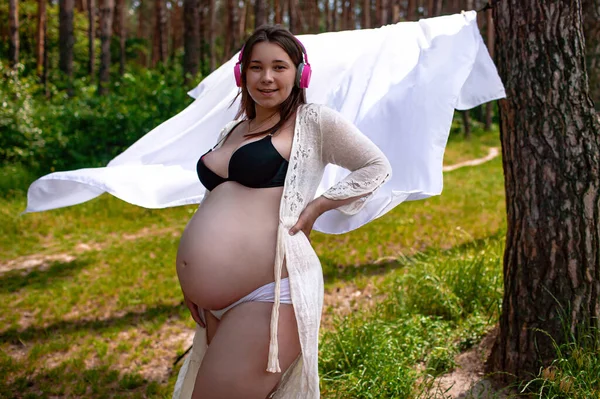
x,y
321,136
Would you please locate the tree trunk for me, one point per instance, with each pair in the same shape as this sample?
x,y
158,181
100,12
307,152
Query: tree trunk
x,y
212,16
242,20
120,29
551,146
591,31
41,37
411,10
430,7
191,37
466,124
81,6
277,8
13,23
91,6
106,16
160,51
66,41
490,46
260,16
293,16
365,21
351,15
438,5
229,28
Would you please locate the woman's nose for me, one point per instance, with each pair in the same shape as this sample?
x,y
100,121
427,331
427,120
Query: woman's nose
x,y
267,75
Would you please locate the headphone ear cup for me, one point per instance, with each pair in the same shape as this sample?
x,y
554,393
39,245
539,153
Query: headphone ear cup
x,y
299,72
305,76
237,73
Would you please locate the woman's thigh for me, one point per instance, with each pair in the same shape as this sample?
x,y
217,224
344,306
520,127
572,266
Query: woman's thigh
x,y
235,362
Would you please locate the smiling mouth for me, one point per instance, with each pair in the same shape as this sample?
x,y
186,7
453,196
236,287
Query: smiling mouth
x,y
267,91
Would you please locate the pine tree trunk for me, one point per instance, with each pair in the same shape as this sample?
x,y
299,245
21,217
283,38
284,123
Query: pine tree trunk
x,y
91,37
120,30
490,46
66,40
229,28
260,16
81,5
277,8
106,16
160,39
191,36
591,31
242,20
365,21
466,124
212,17
551,147
293,16
411,10
41,37
13,23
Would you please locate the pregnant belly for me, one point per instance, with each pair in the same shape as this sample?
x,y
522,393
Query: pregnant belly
x,y
227,250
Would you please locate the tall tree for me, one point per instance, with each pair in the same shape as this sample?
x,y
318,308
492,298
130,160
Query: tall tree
x,y
13,23
365,21
81,5
120,29
591,31
191,37
277,10
106,16
490,46
260,14
41,37
66,40
411,10
160,39
550,137
293,16
91,6
212,17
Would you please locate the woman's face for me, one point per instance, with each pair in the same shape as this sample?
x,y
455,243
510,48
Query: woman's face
x,y
270,75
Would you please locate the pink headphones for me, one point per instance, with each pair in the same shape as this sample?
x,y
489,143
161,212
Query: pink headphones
x,y
302,75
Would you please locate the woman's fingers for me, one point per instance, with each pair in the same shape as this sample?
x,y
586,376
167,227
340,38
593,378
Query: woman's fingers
x,y
195,312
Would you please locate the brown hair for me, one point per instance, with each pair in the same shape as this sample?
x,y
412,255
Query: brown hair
x,y
283,38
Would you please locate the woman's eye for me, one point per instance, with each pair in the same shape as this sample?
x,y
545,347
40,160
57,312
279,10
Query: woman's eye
x,y
255,67
279,67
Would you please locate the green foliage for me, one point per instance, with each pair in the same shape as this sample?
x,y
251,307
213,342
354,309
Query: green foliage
x,y
87,130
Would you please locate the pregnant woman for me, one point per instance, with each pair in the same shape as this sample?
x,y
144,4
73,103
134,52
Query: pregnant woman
x,y
248,273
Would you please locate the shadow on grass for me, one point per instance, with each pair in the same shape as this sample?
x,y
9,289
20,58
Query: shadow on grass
x,y
72,379
346,273
14,336
40,277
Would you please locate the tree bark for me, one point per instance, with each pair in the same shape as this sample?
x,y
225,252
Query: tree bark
x,y
106,16
591,31
293,16
229,29
191,38
212,17
260,16
41,37
490,46
466,124
160,52
66,41
13,23
365,22
81,5
550,137
91,6
411,10
121,31
277,8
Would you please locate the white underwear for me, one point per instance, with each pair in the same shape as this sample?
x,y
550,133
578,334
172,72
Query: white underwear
x,y
266,293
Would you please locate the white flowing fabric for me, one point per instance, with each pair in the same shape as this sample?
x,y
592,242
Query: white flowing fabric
x,y
398,84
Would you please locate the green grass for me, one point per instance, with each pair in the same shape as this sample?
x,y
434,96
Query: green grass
x,y
108,320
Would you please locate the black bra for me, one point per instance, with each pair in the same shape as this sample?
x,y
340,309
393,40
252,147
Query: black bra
x,y
255,165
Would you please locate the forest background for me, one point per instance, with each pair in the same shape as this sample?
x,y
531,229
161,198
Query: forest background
x,y
82,80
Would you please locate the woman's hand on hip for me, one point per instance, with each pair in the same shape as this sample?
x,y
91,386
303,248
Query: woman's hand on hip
x,y
306,220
